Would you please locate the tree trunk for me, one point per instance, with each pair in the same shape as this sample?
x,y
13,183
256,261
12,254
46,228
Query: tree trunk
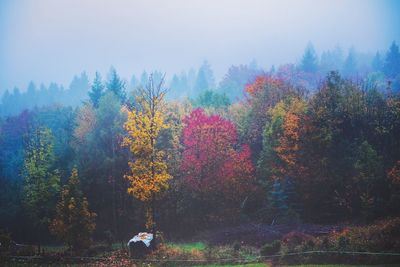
x,y
114,208
150,223
153,205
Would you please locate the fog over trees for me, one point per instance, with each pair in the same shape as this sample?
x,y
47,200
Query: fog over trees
x,y
252,128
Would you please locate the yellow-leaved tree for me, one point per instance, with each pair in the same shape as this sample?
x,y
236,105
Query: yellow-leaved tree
x,y
148,174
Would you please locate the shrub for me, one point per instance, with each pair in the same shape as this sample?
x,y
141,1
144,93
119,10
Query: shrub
x,y
381,236
271,248
342,243
295,239
236,246
325,243
5,241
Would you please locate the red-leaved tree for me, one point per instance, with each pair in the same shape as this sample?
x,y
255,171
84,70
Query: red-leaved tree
x,y
212,162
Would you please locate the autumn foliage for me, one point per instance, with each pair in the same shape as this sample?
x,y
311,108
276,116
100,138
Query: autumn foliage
x,y
148,168
282,154
259,84
211,161
74,222
290,150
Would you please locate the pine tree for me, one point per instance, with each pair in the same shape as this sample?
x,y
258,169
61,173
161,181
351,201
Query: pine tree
x,y
201,83
369,171
377,63
205,78
278,201
309,62
97,90
116,85
175,87
392,62
30,96
78,89
74,222
350,64
144,78
134,82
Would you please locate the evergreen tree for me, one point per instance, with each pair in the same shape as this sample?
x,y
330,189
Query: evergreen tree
x,y
134,82
211,99
309,62
5,97
369,170
191,81
331,60
201,83
175,87
175,82
350,64
98,135
157,76
144,79
54,94
16,101
377,62
30,96
78,90
5,103
391,66
278,201
183,82
205,78
236,79
74,222
42,98
97,90
179,86
116,85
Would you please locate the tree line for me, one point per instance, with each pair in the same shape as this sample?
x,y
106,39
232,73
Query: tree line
x,y
120,162
308,71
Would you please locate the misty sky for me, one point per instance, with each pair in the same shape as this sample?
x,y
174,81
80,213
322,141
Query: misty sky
x,y
52,40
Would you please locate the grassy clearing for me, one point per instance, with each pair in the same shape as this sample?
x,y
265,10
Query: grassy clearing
x,y
187,247
167,253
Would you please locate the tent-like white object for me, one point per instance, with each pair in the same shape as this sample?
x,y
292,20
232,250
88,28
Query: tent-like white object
x,y
144,237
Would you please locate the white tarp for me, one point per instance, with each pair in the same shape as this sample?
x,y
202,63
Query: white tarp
x,y
144,237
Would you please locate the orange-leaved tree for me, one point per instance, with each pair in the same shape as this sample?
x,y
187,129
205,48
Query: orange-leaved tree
x,y
289,149
148,175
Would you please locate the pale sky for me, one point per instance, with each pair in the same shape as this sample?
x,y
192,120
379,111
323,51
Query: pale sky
x,y
52,40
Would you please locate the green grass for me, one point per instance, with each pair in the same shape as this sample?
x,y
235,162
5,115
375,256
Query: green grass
x,y
54,248
199,248
308,265
235,265
341,265
187,247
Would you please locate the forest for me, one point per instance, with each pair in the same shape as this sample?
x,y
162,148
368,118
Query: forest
x,y
311,143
